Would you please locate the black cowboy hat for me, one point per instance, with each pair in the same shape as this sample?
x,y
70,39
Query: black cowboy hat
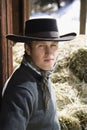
x,y
41,29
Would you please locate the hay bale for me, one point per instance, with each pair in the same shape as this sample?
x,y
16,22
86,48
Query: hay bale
x,y
65,95
60,77
78,64
82,91
69,123
18,51
76,110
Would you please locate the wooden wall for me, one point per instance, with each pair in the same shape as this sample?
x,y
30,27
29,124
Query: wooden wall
x,y
13,14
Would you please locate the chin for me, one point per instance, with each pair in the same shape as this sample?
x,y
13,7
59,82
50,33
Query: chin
x,y
48,68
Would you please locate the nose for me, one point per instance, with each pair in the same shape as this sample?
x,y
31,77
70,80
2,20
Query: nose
x,y
49,50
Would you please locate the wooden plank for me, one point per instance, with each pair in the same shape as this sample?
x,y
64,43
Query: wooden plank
x,y
8,24
16,15
83,16
6,64
26,11
9,43
20,11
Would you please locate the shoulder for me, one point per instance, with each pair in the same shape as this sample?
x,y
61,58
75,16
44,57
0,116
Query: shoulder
x,y
21,80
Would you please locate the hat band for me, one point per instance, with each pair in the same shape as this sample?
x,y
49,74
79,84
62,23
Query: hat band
x,y
44,34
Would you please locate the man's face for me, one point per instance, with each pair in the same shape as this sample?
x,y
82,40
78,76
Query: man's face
x,y
44,54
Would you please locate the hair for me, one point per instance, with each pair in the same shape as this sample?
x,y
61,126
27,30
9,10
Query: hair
x,y
29,44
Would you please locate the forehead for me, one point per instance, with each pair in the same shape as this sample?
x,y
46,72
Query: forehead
x,y
44,42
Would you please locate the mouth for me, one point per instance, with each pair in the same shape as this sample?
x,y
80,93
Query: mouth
x,y
48,60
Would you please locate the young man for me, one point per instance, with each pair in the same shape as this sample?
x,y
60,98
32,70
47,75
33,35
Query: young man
x,y
28,102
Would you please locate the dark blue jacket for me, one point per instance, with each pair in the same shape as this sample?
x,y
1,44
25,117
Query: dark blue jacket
x,y
23,106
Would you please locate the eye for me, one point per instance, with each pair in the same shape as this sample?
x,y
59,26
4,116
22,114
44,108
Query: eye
x,y
54,45
41,45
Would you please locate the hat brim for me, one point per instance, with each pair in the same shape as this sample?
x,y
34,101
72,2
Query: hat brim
x,y
18,38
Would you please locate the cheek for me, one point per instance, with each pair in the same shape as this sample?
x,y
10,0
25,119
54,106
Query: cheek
x,y
56,54
37,56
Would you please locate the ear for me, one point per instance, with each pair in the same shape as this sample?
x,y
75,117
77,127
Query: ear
x,y
27,49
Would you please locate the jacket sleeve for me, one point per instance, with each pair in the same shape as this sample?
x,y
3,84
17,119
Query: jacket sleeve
x,y
16,109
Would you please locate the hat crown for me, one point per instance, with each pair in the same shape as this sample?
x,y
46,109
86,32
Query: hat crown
x,y
39,27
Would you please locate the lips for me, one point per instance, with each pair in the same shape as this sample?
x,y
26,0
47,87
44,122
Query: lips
x,y
48,60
